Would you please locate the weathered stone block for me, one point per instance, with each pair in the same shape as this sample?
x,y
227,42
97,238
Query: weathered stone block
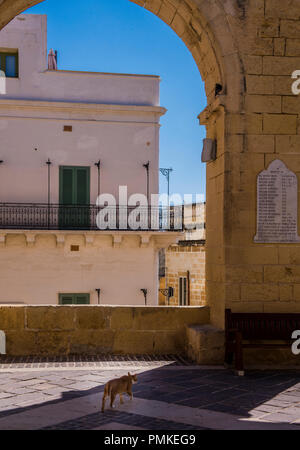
x,y
123,318
280,124
285,292
21,343
292,47
133,342
280,65
278,8
269,28
290,28
52,343
253,64
283,85
50,317
259,292
291,105
282,274
287,144
205,344
263,103
92,317
168,342
280,47
248,273
91,342
258,84
170,318
261,143
12,318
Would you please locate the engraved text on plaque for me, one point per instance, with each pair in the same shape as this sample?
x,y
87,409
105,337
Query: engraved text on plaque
x,y
277,207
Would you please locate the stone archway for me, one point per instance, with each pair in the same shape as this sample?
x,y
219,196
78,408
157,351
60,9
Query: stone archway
x,y
213,31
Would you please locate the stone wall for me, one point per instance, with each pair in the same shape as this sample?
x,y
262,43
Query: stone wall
x,y
62,330
250,48
45,266
181,259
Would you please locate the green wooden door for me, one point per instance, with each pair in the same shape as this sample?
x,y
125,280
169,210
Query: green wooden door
x,y
74,299
74,197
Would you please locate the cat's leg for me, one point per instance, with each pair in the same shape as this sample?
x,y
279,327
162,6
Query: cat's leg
x,y
103,402
121,399
112,399
129,393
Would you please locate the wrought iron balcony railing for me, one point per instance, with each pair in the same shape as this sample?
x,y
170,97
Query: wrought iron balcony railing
x,y
31,216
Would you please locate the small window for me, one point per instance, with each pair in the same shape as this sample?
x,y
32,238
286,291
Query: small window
x,y
74,299
9,63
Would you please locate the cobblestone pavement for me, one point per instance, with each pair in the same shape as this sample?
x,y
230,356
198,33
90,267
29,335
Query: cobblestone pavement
x,y
168,396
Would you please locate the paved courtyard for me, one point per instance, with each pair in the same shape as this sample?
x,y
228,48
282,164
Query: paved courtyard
x,y
168,396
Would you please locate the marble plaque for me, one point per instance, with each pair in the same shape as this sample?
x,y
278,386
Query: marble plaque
x,y
277,205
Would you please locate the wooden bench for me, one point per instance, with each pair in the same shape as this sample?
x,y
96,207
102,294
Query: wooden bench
x,y
250,327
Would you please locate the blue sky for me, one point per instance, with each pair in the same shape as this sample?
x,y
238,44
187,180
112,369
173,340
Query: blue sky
x,y
119,36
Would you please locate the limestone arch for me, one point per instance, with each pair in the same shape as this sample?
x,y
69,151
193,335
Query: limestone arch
x,y
201,24
209,30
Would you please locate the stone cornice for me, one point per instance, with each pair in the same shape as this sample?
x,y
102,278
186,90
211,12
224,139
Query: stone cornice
x,y
78,107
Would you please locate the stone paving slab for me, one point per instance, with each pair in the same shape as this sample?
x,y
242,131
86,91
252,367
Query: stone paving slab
x,y
169,397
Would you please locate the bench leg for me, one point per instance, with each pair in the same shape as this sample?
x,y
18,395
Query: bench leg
x,y
239,362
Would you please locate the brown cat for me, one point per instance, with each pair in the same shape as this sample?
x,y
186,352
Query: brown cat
x,y
119,386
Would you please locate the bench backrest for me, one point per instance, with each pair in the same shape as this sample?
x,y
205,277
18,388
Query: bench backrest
x,y
263,325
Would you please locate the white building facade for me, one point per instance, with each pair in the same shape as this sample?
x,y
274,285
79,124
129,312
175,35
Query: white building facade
x,y
65,138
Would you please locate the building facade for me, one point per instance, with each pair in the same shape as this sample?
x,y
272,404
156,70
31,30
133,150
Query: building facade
x,y
182,265
67,137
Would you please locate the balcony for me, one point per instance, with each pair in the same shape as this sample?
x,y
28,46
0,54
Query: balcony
x,y
31,216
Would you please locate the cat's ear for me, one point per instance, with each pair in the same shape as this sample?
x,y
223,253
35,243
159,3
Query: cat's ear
x,y
129,374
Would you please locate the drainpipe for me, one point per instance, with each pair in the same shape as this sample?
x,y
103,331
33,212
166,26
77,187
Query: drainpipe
x,y
2,343
147,166
49,190
189,287
98,165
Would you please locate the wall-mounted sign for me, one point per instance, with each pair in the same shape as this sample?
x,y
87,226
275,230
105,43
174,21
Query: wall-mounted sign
x,y
277,205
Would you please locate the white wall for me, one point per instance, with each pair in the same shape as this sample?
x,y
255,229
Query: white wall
x,y
36,275
115,118
115,128
122,147
28,34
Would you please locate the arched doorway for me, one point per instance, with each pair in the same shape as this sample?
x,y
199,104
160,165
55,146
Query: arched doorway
x,y
207,33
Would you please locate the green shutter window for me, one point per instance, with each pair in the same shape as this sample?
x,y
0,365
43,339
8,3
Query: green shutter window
x,y
82,299
74,197
9,63
67,186
82,186
74,299
74,185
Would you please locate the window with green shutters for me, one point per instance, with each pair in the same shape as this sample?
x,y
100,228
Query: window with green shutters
x,y
74,299
74,197
9,63
74,185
